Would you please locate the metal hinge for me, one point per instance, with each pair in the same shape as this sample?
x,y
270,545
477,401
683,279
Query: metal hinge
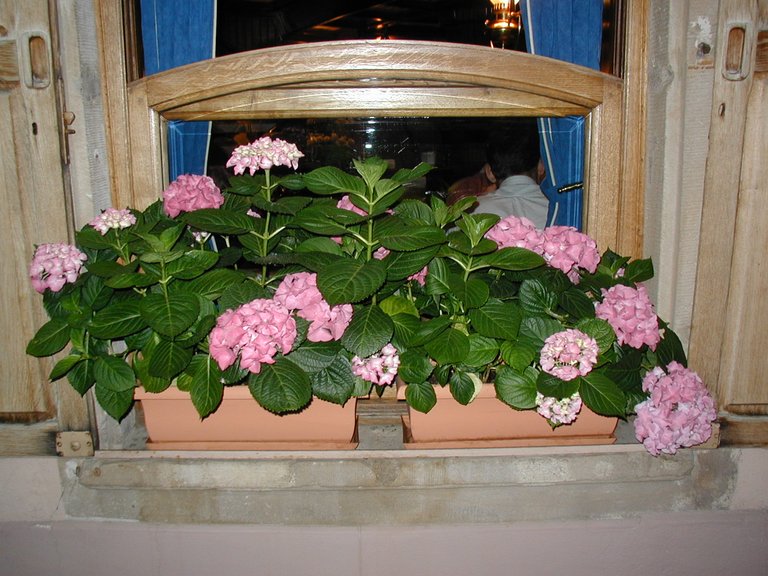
x,y
69,444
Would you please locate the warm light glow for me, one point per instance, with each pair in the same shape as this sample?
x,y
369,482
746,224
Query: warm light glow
x,y
506,14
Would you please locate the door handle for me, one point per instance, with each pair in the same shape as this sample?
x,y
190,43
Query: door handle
x,y
36,59
737,60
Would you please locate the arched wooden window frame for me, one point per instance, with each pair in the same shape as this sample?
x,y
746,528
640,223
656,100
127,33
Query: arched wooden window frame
x,y
385,79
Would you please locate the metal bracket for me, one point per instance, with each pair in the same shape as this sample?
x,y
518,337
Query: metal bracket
x,y
69,444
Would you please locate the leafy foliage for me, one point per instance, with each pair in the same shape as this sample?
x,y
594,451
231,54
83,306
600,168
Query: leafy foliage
x,y
422,276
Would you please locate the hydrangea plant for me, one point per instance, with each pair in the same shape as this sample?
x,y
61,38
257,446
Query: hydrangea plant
x,y
329,283
554,326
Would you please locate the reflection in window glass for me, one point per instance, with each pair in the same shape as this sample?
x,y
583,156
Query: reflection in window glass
x,y
456,147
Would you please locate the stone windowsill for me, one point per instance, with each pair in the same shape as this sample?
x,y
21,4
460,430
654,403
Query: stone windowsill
x,y
394,487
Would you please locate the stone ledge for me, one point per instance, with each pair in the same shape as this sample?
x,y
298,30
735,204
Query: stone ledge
x,y
395,487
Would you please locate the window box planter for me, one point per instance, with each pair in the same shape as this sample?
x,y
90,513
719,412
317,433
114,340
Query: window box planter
x,y
241,424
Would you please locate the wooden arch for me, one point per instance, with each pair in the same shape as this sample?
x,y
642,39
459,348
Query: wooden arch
x,y
384,78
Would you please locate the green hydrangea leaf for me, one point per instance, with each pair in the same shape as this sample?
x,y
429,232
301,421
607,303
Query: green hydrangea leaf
x,y
206,389
192,264
475,226
600,330
281,387
577,304
334,383
210,285
407,237
670,348
319,245
132,280
602,395
437,278
371,169
89,237
219,221
405,175
415,366
399,305
421,396
238,294
332,180
95,293
429,329
170,315
536,330
113,373
512,258
516,388
638,271
450,346
318,221
473,293
64,365
482,350
52,337
497,319
117,320
167,359
368,332
81,377
464,386
146,380
553,386
415,210
405,326
404,264
314,356
627,372
536,298
116,403
350,280
520,353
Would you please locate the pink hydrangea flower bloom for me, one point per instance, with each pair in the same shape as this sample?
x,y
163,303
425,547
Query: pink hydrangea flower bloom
x,y
379,368
112,218
568,354
299,292
630,313
264,154
256,332
520,232
346,204
678,413
558,411
420,276
54,265
567,249
191,192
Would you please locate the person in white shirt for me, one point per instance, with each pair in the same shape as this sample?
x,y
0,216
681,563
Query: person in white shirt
x,y
514,165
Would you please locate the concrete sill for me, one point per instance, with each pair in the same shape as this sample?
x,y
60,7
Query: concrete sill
x,y
394,487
